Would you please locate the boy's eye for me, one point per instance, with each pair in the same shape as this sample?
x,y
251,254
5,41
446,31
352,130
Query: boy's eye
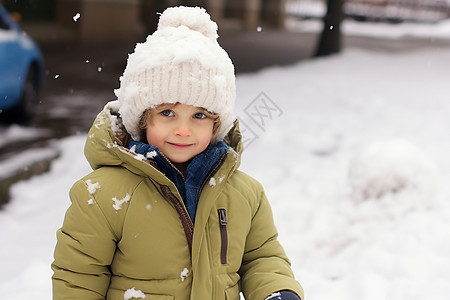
x,y
167,113
199,115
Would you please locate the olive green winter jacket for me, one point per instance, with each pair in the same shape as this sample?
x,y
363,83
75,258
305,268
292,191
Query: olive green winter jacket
x,y
127,234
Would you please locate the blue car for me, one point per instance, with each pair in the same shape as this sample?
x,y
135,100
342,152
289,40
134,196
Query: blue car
x,y
21,71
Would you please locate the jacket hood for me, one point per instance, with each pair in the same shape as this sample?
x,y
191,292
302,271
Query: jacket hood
x,y
106,145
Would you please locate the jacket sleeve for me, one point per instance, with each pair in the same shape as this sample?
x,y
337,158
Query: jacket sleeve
x,y
265,268
85,248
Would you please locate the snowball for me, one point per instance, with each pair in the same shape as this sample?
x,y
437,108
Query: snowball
x,y
184,274
133,293
118,203
391,167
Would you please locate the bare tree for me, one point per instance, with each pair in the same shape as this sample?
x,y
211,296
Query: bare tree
x,y
330,38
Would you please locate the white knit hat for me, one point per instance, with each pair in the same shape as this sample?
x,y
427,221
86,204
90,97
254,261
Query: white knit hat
x,y
180,62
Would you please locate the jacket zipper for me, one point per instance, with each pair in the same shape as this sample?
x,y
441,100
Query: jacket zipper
x,y
172,165
186,221
223,235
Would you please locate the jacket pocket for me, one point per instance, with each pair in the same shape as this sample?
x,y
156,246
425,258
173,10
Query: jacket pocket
x,y
223,235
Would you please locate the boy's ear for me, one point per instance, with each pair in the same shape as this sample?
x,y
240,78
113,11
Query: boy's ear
x,y
144,119
216,128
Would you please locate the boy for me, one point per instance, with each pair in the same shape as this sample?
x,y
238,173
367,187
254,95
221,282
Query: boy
x,y
166,214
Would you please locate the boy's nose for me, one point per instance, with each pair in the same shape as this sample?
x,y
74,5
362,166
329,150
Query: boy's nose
x,y
182,129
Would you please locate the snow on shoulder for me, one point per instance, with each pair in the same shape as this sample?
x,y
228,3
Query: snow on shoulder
x,y
391,167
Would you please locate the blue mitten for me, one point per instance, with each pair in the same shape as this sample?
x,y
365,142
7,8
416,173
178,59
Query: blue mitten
x,y
283,295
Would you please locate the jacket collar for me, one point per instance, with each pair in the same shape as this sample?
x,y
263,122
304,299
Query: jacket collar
x,y
199,170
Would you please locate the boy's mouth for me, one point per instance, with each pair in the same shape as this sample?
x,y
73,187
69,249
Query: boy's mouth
x,y
179,145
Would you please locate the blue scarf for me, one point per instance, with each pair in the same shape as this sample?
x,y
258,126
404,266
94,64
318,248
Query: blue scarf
x,y
198,171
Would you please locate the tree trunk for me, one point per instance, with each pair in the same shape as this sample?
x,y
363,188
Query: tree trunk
x,y
330,39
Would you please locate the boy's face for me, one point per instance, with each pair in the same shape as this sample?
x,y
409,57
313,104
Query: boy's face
x,y
179,131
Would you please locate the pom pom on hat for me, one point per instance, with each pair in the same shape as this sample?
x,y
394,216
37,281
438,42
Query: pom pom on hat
x,y
181,62
195,18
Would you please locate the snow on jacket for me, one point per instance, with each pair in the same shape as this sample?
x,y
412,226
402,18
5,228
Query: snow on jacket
x,y
127,234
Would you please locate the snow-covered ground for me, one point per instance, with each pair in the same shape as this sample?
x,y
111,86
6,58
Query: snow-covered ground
x,y
418,11
15,133
322,136
431,31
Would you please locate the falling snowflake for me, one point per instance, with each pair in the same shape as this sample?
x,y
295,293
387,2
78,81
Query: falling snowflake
x,y
76,17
